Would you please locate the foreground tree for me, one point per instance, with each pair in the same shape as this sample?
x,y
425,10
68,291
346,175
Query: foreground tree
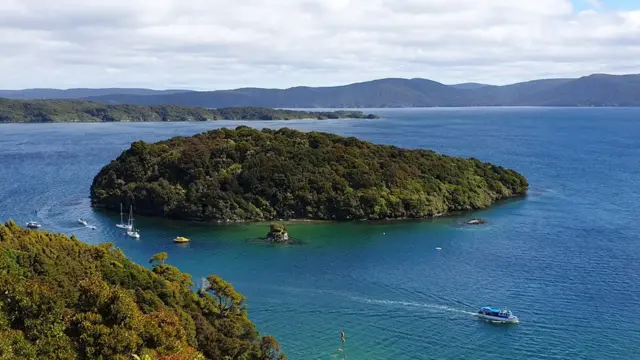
x,y
65,300
227,299
159,258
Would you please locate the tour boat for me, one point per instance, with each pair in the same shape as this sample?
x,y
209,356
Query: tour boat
x,y
83,222
33,225
497,315
122,225
181,240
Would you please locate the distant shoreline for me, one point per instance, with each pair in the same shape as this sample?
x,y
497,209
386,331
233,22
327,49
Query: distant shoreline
x,y
76,111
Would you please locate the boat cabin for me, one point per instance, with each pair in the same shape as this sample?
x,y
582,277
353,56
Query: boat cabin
x,y
501,313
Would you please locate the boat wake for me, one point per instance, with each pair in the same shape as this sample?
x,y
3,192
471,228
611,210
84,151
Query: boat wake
x,y
432,307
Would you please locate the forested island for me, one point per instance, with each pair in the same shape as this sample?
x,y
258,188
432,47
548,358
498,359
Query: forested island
x,y
251,175
66,300
39,111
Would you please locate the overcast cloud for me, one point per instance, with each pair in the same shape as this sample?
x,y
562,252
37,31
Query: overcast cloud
x,y
215,44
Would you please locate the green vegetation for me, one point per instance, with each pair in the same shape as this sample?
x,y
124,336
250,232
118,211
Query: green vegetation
x,y
62,299
85,111
246,174
277,233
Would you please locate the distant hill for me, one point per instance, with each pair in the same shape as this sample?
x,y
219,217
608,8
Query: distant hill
x,y
33,94
469,86
593,90
34,111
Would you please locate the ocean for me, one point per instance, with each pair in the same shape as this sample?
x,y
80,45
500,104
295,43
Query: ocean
x,y
565,259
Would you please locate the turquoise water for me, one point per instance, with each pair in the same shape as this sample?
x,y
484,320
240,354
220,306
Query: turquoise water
x,y
566,259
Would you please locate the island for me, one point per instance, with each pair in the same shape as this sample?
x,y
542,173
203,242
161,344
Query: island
x,y
63,299
245,174
278,234
46,111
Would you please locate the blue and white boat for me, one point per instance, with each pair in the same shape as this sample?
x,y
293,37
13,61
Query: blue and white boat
x,y
497,315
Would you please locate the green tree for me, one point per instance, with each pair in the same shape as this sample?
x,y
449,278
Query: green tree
x,y
228,300
65,300
270,349
159,258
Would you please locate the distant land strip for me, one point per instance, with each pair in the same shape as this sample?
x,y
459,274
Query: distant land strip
x,y
57,111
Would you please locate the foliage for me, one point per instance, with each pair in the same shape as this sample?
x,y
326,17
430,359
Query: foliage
x,y
86,111
246,174
62,299
277,228
159,258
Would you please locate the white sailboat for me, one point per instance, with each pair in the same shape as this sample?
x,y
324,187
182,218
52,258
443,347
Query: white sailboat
x,y
132,232
122,225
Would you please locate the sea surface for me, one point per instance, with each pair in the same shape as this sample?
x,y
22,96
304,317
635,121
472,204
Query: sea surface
x,y
566,259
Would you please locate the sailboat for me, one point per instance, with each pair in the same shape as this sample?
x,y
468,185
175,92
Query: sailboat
x,y
132,232
122,225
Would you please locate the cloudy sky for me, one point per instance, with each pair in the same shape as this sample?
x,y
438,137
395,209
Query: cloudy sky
x,y
217,44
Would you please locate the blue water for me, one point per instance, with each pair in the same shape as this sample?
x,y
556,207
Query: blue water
x,y
566,259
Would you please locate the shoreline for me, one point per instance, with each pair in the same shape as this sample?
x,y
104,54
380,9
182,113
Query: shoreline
x,y
445,215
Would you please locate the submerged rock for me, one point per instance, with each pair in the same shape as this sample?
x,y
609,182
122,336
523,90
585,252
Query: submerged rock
x,y
278,234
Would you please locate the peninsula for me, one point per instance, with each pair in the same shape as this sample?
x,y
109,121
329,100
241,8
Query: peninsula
x,y
251,175
38,111
63,299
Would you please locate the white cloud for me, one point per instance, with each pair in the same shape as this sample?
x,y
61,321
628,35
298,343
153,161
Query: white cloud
x,y
210,44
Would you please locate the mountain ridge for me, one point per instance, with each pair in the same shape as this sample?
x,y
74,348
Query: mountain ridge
x,y
591,90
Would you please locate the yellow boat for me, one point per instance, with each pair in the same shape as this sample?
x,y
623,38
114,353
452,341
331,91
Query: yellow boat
x,y
181,240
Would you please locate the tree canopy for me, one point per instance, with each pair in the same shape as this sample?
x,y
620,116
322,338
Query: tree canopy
x,y
87,111
63,299
247,174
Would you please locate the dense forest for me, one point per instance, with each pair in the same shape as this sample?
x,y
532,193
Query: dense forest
x,y
21,111
63,299
246,174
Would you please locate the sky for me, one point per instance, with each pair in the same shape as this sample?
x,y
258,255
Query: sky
x,y
222,44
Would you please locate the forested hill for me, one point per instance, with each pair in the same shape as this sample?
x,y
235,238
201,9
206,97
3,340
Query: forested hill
x,y
85,111
62,299
246,174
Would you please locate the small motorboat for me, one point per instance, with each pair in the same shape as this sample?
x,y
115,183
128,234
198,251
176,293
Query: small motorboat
x,y
93,227
181,240
504,316
33,225
83,222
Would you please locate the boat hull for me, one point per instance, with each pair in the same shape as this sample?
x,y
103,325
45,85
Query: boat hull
x,y
124,226
497,319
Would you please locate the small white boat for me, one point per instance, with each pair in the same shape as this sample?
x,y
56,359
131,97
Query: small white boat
x,y
93,228
132,232
122,225
33,225
503,316
83,222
